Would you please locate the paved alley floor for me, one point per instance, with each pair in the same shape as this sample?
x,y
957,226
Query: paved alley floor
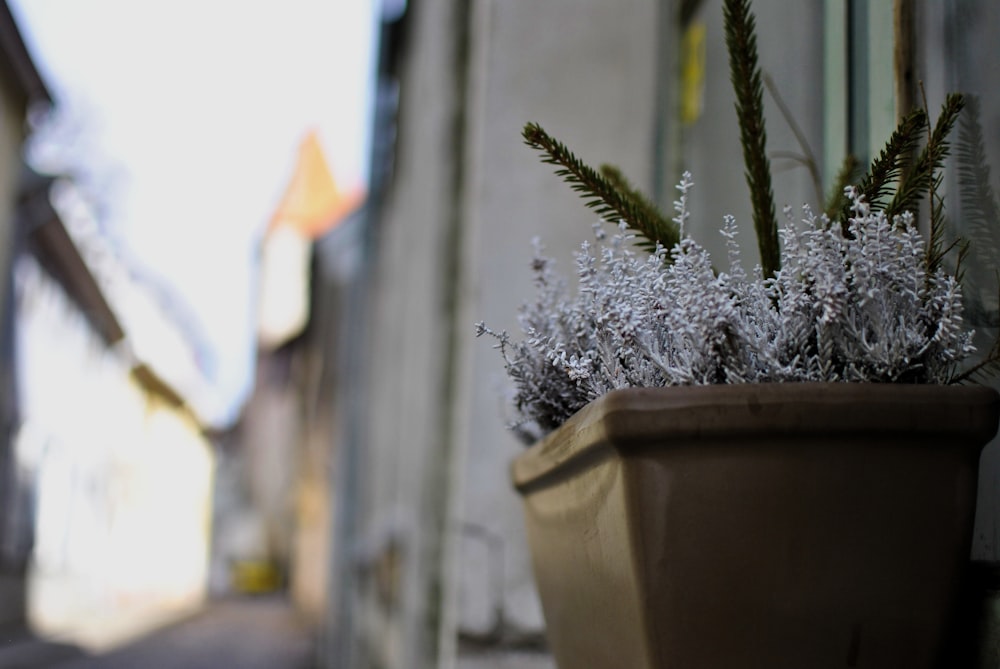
x,y
243,633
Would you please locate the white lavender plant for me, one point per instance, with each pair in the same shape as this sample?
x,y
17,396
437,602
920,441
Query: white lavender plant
x,y
855,307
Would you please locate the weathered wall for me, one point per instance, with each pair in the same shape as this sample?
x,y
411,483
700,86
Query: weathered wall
x,y
452,248
438,571
395,561
595,84
592,83
441,545
957,51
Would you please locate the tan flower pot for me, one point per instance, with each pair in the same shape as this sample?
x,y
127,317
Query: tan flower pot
x,y
774,525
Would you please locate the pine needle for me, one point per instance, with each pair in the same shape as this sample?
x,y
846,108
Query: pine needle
x,y
887,168
741,42
922,179
613,199
936,249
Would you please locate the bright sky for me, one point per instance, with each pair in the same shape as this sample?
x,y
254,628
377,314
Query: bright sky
x,y
202,104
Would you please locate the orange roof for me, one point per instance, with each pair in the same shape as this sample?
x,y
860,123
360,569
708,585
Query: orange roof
x,y
313,203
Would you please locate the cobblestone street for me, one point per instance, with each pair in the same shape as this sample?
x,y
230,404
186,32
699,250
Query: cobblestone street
x,y
242,633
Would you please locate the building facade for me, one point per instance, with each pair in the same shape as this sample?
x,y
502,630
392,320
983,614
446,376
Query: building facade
x,y
113,474
428,560
21,89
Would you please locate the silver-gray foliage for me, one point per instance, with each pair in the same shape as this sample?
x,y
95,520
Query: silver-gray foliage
x,y
855,308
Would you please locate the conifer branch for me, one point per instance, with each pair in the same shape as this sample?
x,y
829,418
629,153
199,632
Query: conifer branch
x,y
741,42
887,168
613,199
922,179
936,249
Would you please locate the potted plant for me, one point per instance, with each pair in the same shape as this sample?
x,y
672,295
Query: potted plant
x,y
766,469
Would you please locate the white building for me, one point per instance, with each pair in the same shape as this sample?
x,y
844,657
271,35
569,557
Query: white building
x,y
113,472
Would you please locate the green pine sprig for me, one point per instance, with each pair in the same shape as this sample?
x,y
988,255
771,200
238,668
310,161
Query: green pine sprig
x,y
608,194
937,249
921,180
888,167
745,74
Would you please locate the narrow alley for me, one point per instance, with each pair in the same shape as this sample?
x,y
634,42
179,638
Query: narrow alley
x,y
261,632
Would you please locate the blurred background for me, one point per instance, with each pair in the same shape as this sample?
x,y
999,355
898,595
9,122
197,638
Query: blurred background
x,y
244,419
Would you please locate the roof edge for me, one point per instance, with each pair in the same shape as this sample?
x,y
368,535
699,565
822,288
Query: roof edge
x,y
19,60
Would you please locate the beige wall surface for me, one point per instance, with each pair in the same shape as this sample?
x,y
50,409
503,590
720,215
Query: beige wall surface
x,y
442,538
441,555
405,453
585,71
441,550
592,74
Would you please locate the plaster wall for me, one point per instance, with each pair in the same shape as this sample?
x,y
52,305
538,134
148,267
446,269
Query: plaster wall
x,y
443,573
442,539
596,85
586,72
404,456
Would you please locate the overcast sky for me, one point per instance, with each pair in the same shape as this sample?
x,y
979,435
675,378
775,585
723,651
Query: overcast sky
x,y
196,108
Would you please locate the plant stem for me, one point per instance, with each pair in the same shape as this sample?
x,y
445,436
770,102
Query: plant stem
x,y
741,41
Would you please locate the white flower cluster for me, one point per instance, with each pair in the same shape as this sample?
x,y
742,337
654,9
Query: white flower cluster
x,y
860,307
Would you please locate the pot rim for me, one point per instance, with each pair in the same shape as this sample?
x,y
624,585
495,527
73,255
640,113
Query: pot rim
x,y
629,419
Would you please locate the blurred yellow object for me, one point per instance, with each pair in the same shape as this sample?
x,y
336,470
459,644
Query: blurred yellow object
x,y
692,71
255,576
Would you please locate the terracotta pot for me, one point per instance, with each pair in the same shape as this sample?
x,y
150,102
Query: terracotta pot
x,y
773,525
